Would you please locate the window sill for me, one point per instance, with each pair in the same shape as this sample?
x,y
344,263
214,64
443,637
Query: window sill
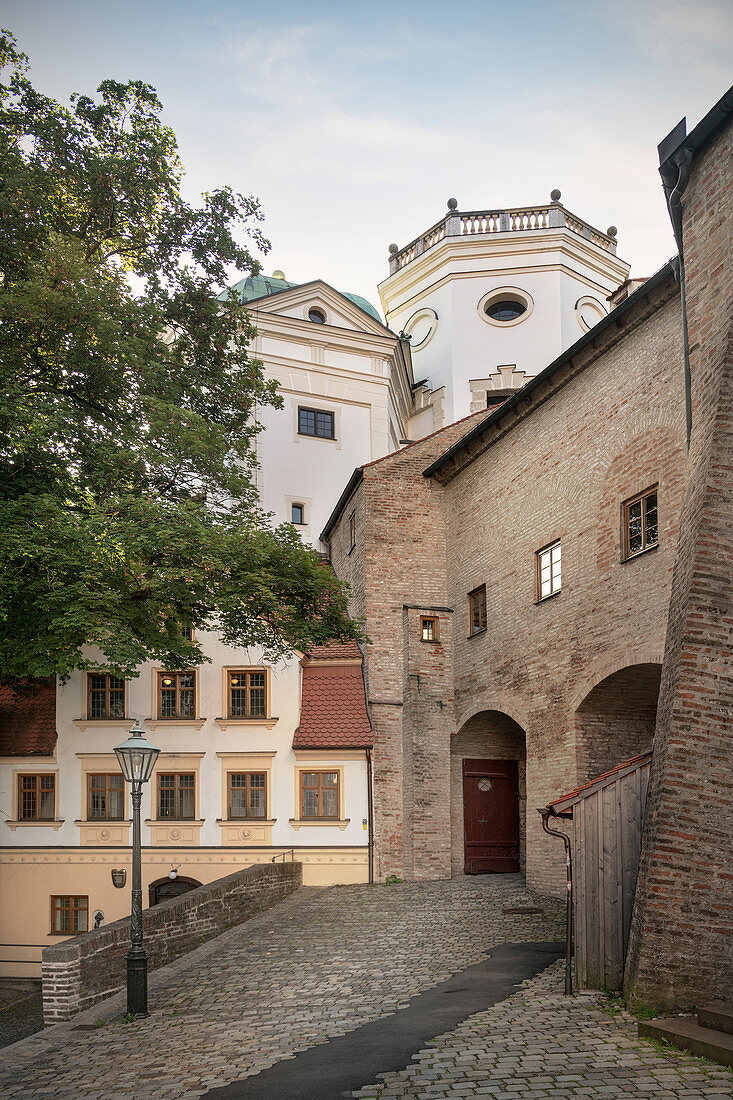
x,y
168,723
549,596
245,821
640,553
103,822
55,824
102,723
321,822
174,822
68,933
435,641
322,438
265,723
476,633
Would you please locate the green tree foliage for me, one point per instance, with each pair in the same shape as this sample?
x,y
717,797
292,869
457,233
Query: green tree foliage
x,y
129,405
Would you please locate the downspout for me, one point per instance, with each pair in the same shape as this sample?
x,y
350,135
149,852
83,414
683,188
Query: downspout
x,y
674,190
569,902
370,816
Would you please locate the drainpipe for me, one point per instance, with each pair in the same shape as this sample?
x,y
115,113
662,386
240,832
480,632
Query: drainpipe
x,y
569,902
674,189
370,816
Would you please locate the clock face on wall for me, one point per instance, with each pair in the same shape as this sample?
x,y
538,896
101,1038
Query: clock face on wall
x,y
421,327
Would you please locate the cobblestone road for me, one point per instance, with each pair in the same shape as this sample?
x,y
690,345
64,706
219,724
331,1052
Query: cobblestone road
x,y
322,963
539,1044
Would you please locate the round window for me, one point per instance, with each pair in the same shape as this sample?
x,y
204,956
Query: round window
x,y
505,306
507,309
317,316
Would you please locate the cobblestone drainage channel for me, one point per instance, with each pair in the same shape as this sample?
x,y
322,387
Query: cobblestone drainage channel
x,y
342,1065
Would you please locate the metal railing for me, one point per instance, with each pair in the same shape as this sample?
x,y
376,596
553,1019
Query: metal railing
x,y
284,856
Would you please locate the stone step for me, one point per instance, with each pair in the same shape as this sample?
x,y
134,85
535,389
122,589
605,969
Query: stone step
x,y
685,1032
718,1016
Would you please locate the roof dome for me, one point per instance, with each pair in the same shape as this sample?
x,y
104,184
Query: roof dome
x,y
263,286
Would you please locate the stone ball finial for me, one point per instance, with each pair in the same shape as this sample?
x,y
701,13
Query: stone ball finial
x,y
612,231
556,194
452,204
278,274
393,248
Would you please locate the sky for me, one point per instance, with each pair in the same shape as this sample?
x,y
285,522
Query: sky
x,y
354,123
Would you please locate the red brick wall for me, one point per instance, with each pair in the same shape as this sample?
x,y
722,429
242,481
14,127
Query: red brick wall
x,y
606,427
681,947
596,437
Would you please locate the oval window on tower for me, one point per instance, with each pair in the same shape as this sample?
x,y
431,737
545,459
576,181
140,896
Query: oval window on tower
x,y
505,306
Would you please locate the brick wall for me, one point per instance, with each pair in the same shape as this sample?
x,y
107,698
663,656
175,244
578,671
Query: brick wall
x,y
608,425
681,946
81,971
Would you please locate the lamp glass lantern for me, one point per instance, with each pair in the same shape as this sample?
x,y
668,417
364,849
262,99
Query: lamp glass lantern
x,y
137,756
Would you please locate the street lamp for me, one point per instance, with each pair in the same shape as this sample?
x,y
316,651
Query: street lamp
x,y
137,759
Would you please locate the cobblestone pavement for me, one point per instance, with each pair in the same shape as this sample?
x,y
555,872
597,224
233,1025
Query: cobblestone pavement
x,y
322,963
539,1044
21,1011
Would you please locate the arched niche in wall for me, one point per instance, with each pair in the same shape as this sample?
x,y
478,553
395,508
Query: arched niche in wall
x,y
421,327
589,311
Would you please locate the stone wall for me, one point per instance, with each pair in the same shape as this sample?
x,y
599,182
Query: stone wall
x,y
681,946
606,425
81,971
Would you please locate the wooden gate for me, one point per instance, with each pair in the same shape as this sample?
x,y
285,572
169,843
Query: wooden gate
x,y
490,816
608,818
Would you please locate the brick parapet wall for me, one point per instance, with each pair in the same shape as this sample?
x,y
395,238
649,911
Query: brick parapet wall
x,y
681,945
84,970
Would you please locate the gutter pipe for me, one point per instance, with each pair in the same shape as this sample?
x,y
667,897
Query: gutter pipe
x,y
370,816
674,189
569,902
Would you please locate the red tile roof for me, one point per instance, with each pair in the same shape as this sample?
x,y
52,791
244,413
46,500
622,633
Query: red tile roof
x,y
28,717
604,779
335,651
333,712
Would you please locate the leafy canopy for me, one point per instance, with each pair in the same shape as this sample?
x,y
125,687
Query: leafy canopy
x,y
128,417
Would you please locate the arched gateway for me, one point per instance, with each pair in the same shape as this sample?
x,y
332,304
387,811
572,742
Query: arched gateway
x,y
488,795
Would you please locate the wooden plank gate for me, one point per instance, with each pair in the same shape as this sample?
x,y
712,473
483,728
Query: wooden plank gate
x,y
608,818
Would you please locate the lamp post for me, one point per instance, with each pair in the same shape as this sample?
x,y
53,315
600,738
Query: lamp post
x,y
137,759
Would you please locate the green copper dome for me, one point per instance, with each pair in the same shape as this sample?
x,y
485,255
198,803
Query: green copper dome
x,y
262,286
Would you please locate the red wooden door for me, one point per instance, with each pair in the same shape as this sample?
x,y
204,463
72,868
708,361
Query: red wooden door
x,y
490,815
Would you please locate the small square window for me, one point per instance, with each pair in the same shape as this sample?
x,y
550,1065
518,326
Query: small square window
x,y
549,570
297,513
248,694
319,794
37,797
177,796
69,915
105,696
477,610
428,629
316,422
105,797
176,694
641,523
247,795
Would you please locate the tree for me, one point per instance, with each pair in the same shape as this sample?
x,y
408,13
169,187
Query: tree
x,y
129,411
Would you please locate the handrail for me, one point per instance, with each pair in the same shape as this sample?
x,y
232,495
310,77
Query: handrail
x,y
282,855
